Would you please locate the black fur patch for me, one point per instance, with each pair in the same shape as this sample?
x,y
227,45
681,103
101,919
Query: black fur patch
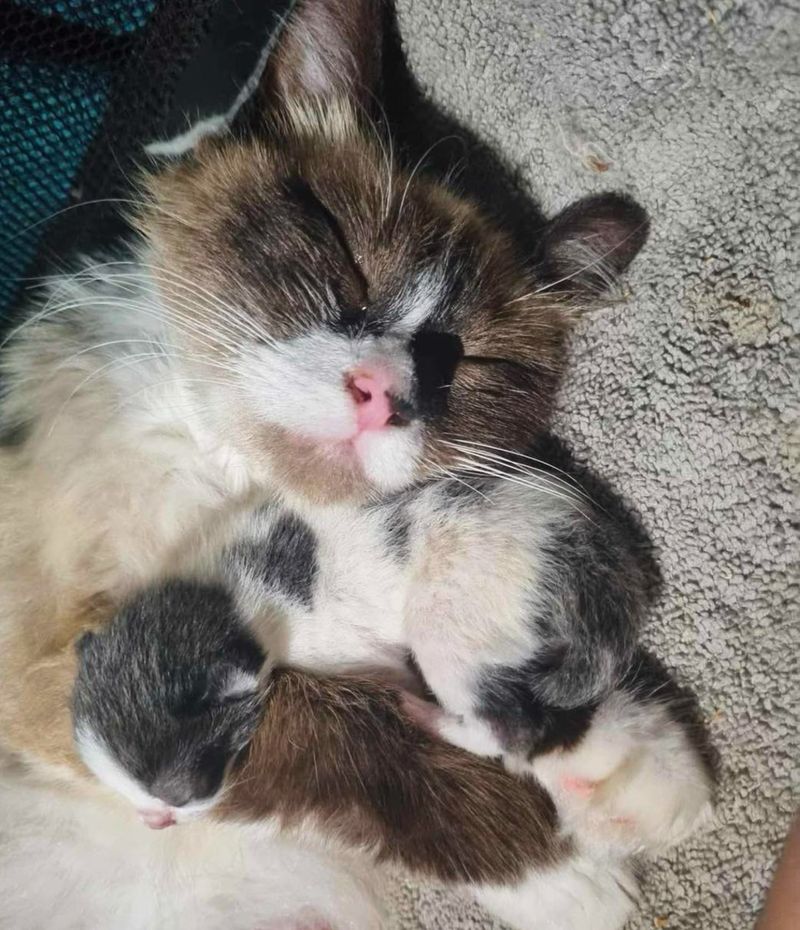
x,y
15,435
285,561
521,721
470,489
398,533
436,356
587,610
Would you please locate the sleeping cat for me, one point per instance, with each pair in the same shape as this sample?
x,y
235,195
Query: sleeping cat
x,y
304,323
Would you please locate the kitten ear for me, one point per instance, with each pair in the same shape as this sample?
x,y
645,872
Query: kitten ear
x,y
327,49
587,246
85,642
230,683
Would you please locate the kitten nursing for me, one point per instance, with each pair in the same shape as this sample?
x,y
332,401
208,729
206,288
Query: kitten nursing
x,y
179,678
294,422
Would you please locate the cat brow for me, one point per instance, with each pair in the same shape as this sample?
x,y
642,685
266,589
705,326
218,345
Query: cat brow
x,y
301,192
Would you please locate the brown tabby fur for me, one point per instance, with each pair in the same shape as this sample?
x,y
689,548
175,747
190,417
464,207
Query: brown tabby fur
x,y
341,753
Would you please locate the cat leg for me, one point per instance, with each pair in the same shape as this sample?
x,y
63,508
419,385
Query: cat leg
x,y
582,894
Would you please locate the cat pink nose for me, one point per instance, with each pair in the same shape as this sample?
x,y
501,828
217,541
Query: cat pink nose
x,y
371,392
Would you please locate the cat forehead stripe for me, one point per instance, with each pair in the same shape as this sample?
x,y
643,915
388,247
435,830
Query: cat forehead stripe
x,y
421,300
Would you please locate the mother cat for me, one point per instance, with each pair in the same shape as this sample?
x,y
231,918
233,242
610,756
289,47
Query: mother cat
x,y
303,321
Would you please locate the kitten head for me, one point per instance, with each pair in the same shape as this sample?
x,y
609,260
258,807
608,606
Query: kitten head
x,y
349,322
166,697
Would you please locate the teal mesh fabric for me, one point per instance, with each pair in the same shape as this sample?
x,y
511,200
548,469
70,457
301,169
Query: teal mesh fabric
x,y
84,86
114,16
58,59
48,115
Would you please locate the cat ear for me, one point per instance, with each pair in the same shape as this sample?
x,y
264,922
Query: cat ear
x,y
327,49
587,246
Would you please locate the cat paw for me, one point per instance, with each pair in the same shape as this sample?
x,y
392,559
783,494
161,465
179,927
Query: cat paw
x,y
634,781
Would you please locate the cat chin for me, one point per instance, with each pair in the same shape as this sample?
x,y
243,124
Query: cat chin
x,y
389,458
374,463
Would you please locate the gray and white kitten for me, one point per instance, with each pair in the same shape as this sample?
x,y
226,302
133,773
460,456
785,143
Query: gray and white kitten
x,y
165,698
305,324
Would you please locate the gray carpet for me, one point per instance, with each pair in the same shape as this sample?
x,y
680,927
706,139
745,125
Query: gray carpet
x,y
685,397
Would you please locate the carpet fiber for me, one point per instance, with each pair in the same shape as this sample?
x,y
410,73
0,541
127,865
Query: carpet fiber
x,y
685,397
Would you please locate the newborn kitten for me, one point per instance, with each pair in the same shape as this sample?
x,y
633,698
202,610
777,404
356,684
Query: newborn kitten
x,y
521,609
165,698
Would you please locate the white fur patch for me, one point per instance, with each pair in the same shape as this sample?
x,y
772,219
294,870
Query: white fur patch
x,y
583,894
389,457
651,789
239,684
419,301
107,769
70,861
299,385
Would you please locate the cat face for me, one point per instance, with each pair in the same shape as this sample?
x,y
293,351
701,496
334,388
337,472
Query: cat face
x,y
348,322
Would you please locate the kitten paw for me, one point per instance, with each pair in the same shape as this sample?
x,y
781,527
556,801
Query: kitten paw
x,y
634,781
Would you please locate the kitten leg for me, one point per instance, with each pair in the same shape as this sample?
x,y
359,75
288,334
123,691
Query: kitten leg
x,y
635,780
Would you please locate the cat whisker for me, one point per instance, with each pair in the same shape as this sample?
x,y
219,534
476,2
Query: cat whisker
x,y
146,308
452,476
495,454
189,404
87,203
482,468
115,364
239,321
415,170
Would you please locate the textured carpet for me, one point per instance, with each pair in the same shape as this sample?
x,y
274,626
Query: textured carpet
x,y
685,397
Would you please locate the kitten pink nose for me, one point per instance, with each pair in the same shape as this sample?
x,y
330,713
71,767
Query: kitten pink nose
x,y
157,820
370,391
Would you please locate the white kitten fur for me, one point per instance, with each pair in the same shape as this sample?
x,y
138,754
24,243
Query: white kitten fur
x,y
590,893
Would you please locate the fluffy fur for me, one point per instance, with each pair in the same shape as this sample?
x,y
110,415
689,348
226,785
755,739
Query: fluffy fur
x,y
152,400
166,697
